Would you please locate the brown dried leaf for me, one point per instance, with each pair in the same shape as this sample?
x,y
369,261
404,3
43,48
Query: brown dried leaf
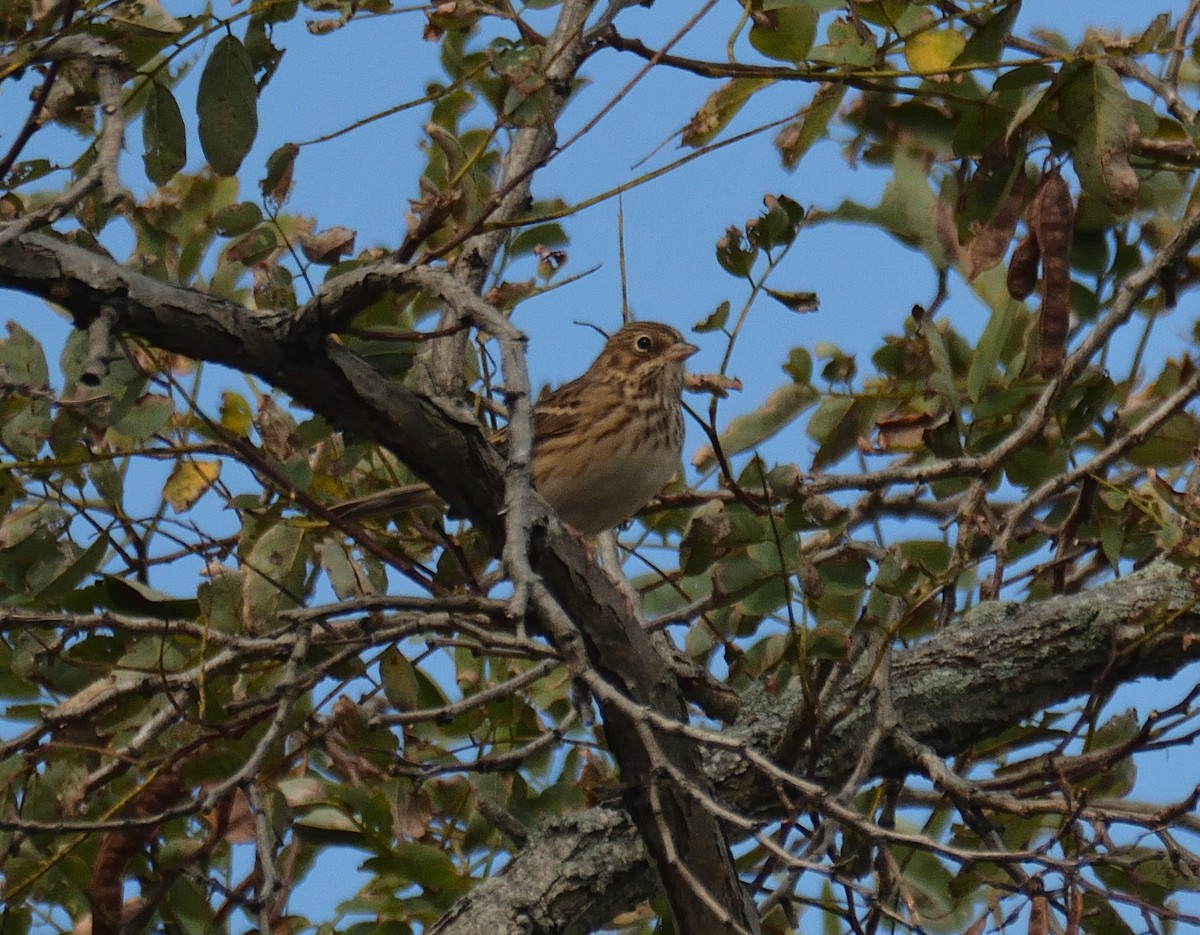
x,y
990,243
325,247
507,294
904,432
412,816
714,383
239,823
277,429
946,230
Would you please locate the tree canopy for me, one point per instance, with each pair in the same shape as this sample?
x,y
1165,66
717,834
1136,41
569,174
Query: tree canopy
x,y
853,670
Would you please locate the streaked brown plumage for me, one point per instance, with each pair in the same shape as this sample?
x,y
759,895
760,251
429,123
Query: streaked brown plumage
x,y
605,443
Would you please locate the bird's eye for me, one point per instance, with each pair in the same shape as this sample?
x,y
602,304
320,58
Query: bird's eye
x,y
643,343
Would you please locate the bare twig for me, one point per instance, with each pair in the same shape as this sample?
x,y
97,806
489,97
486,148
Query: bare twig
x,y
102,173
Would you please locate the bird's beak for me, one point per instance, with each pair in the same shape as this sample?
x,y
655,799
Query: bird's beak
x,y
681,351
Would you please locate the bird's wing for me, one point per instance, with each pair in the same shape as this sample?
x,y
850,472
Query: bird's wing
x,y
559,413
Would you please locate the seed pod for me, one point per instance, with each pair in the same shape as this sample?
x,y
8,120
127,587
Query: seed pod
x,y
1054,211
1023,267
1168,281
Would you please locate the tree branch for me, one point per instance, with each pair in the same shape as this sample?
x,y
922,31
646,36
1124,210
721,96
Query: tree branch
x,y
580,606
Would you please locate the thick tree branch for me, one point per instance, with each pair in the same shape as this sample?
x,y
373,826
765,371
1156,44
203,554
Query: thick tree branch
x,y
443,447
1003,661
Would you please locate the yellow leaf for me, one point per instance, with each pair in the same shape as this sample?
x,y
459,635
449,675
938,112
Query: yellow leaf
x,y
932,52
147,15
188,482
236,416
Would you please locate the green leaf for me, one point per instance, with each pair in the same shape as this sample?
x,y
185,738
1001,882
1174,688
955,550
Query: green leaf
x,y
28,171
1096,103
219,600
1156,35
253,247
909,209
797,138
1171,444
22,358
766,598
273,574
1025,111
987,42
846,574
837,426
987,352
799,365
733,255
399,679
785,34
236,416
1022,76
143,15
746,431
845,46
128,596
71,574
543,235
327,824
237,218
428,867
942,378
163,135
26,420
930,555
1035,464
715,320
151,413
227,104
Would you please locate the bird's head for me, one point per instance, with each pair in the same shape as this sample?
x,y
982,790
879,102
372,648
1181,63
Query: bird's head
x,y
644,352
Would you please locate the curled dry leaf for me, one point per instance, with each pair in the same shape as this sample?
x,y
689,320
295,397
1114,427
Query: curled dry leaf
x,y
327,246
549,261
904,432
238,824
795,301
714,383
506,295
1054,211
411,816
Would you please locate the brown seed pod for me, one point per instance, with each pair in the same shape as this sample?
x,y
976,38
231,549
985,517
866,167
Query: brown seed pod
x,y
1023,267
1168,281
1054,226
